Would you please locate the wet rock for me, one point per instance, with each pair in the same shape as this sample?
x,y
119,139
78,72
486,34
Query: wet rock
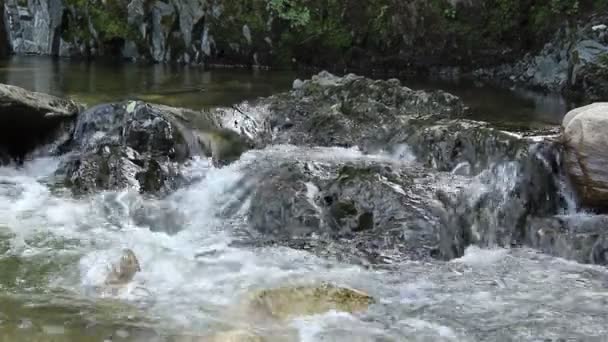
x,y
29,120
224,146
586,157
289,302
494,210
580,237
123,271
445,144
361,211
340,111
130,144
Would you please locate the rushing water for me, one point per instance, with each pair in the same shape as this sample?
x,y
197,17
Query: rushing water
x,y
55,251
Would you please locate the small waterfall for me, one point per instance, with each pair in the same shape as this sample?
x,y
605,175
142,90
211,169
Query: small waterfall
x,y
502,199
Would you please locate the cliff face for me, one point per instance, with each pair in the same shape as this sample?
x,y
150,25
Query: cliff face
x,y
383,34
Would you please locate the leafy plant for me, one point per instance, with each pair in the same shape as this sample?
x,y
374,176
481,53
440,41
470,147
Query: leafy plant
x,y
296,14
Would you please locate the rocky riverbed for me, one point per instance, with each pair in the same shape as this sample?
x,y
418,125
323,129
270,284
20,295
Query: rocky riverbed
x,y
346,208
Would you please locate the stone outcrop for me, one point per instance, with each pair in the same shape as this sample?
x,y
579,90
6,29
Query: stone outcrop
x,y
586,153
363,211
338,111
130,144
446,182
29,120
574,62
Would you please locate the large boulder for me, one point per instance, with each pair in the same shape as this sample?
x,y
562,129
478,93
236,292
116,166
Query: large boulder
x,y
129,144
586,153
361,210
29,120
338,111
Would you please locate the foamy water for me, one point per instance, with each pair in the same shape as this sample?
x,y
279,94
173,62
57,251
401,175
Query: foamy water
x,y
193,276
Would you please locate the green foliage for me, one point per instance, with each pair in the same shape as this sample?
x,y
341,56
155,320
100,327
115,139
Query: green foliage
x,y
290,10
109,20
604,59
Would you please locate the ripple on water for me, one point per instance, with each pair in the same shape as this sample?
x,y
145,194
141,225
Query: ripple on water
x,y
194,277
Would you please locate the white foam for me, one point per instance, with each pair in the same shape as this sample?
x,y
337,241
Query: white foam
x,y
478,257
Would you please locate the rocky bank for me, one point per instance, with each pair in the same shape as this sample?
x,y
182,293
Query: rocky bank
x,y
556,45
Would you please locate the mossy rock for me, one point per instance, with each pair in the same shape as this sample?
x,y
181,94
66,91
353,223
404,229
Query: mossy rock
x,y
288,302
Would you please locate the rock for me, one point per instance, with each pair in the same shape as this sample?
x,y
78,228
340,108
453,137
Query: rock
x,y
225,336
130,144
236,336
339,111
224,146
572,63
357,210
495,208
581,237
29,120
123,271
34,28
586,154
289,302
590,84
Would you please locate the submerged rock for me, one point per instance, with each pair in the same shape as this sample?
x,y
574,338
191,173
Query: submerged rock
x,y
581,237
29,120
289,302
586,153
130,144
123,271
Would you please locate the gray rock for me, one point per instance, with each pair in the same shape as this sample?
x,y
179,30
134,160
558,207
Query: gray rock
x,y
161,14
29,119
571,63
581,237
360,210
130,144
34,29
339,111
586,157
494,210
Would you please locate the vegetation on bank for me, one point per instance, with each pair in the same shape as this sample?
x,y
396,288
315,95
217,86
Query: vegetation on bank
x,y
330,32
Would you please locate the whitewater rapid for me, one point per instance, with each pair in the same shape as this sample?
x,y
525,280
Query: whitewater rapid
x,y
194,271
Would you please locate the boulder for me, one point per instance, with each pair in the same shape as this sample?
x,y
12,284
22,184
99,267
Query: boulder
x,y
29,120
361,210
129,144
586,153
338,111
494,210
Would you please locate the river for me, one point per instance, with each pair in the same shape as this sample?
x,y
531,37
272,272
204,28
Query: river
x,y
55,248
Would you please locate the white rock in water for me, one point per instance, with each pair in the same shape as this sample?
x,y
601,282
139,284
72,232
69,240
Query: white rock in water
x,y
600,27
586,153
297,84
